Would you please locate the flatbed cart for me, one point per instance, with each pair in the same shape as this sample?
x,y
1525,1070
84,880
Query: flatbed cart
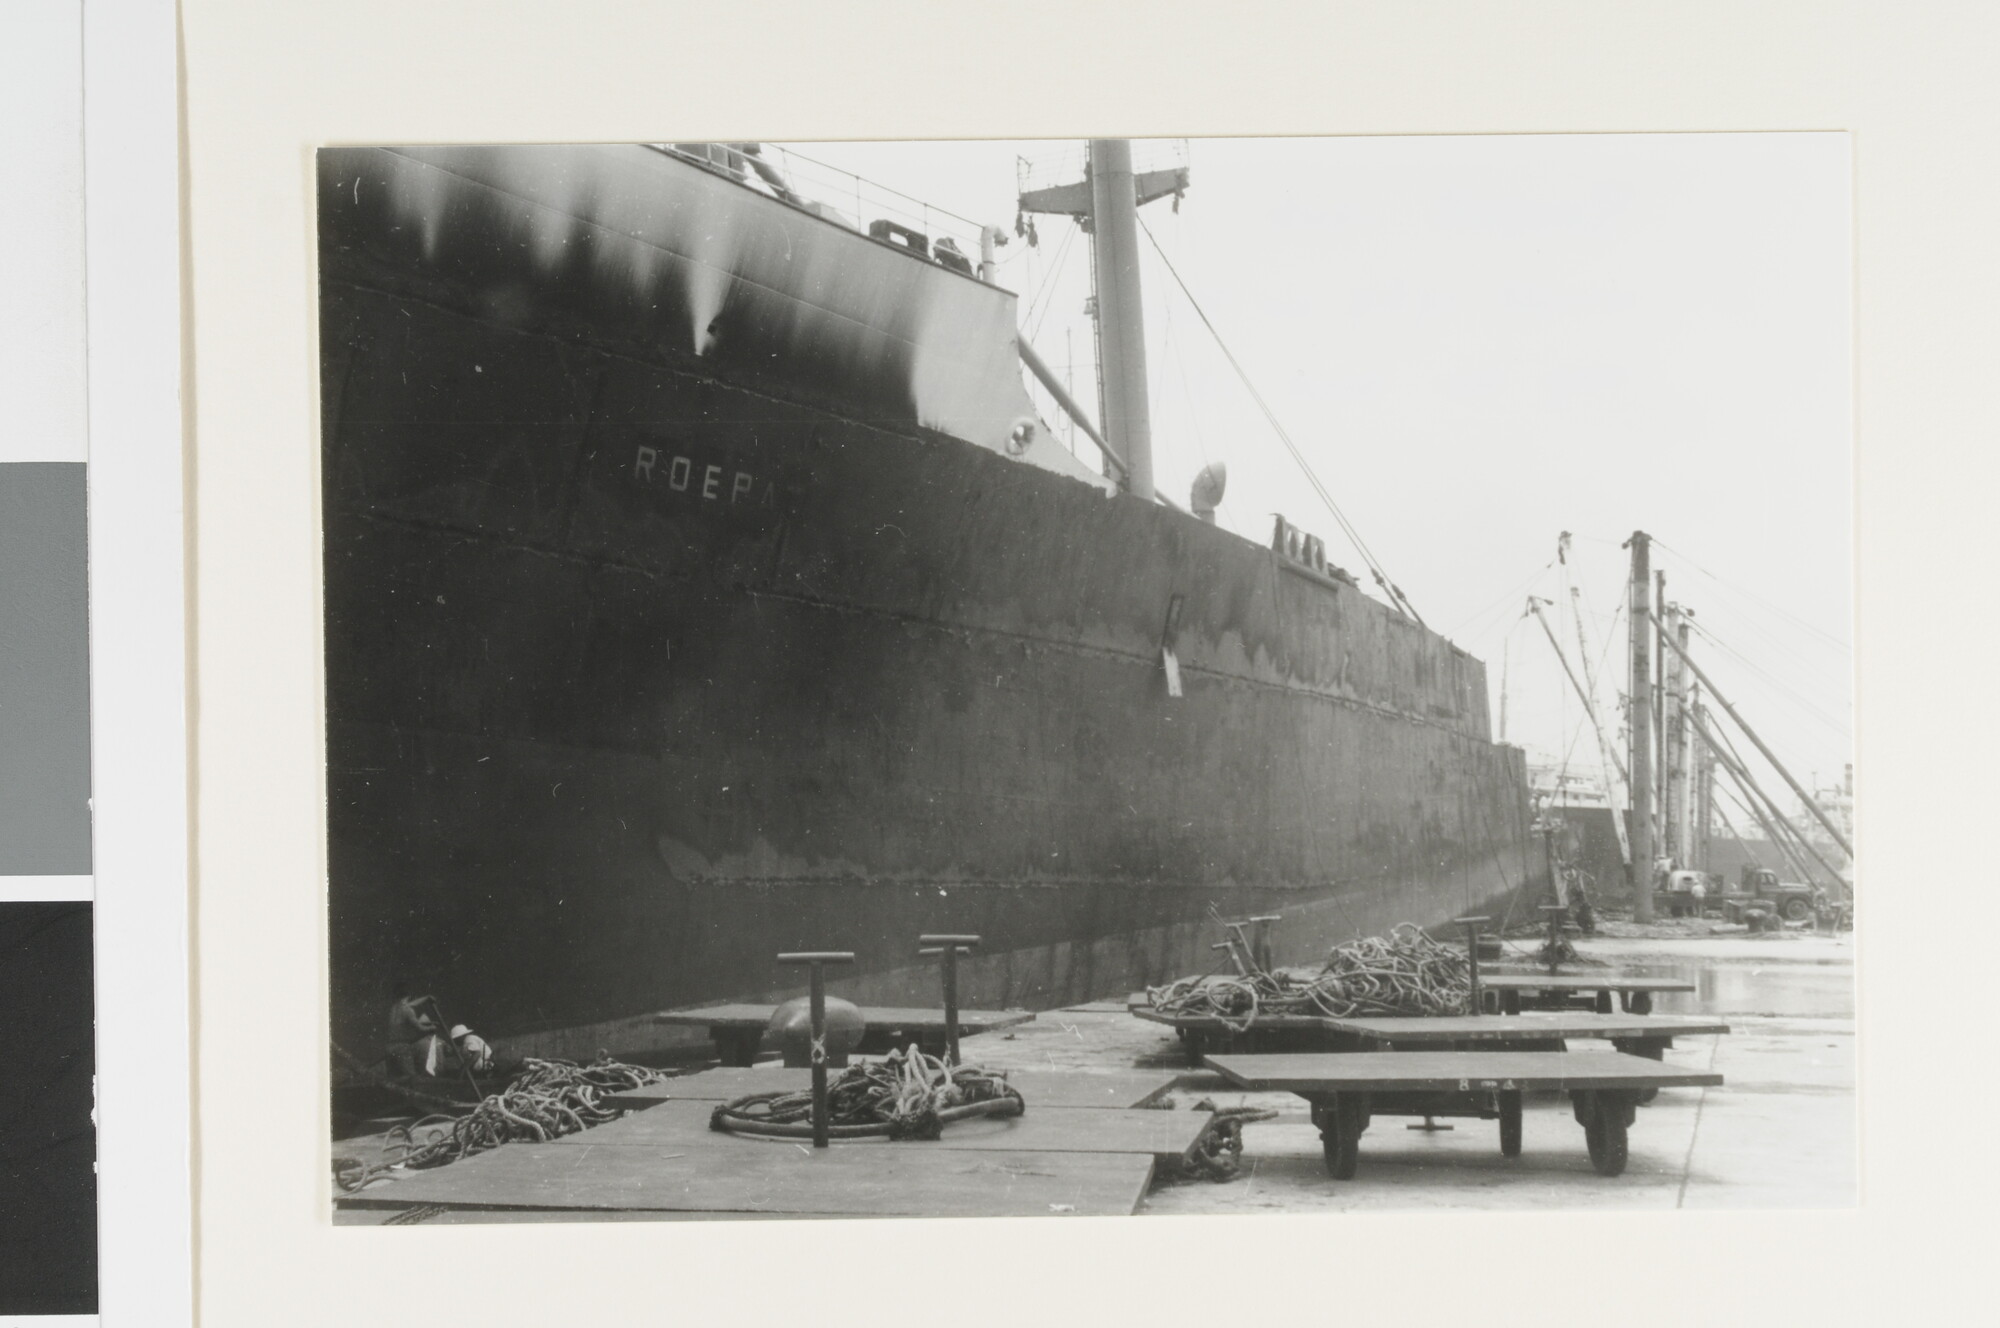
x,y
1347,1089
738,1030
1512,992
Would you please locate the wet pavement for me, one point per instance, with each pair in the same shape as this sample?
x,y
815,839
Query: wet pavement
x,y
1790,973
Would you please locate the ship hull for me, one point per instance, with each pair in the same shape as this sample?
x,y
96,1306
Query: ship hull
x,y
646,663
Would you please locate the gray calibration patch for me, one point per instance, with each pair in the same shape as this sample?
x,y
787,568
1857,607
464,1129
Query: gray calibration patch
x,y
44,671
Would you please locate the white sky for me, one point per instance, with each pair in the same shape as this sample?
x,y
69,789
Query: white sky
x,y
1480,342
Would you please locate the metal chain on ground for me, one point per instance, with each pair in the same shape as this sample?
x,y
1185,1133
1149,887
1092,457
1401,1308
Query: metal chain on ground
x,y
1217,1154
548,1099
1405,972
905,1095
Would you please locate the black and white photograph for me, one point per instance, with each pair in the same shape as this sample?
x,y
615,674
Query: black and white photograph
x,y
752,660
1088,677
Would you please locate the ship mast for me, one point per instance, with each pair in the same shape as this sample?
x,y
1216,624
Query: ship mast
x,y
1107,203
1121,319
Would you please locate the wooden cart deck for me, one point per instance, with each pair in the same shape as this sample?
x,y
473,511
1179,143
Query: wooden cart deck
x,y
1635,992
1643,1035
1463,1071
1210,1023
738,1030
1205,1034
1347,1088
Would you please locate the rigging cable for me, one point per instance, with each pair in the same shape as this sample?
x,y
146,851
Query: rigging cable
x,y
856,178
1788,693
1512,597
1394,591
1047,287
1797,621
1193,415
1750,790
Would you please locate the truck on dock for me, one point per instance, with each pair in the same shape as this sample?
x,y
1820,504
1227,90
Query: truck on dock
x,y
1794,901
1694,894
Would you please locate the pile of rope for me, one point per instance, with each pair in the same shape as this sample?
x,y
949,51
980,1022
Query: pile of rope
x,y
905,1095
1403,973
548,1099
1236,1001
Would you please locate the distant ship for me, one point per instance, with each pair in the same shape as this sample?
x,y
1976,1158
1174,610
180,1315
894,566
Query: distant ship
x,y
701,583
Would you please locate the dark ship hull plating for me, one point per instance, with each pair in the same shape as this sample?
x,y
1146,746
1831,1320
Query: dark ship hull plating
x,y
673,622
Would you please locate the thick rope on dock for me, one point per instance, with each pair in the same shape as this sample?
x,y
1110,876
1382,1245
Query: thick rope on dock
x,y
905,1095
1403,973
548,1099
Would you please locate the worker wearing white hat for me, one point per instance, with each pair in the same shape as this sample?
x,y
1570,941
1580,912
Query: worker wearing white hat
x,y
473,1047
438,1059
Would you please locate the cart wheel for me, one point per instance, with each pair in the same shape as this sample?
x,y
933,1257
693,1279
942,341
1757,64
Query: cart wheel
x,y
1605,1138
1510,1125
1642,1002
1340,1139
1342,1154
1604,1002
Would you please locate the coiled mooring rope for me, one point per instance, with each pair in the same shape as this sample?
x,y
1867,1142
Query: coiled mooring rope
x,y
905,1095
1403,973
548,1099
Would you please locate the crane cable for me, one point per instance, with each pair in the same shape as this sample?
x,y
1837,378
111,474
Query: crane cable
x,y
1389,587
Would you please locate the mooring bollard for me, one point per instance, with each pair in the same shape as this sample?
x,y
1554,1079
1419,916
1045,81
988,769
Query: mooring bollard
x,y
950,947
1472,926
819,959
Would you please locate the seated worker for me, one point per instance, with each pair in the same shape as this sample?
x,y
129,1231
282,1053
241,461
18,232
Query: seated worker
x,y
412,1024
474,1050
